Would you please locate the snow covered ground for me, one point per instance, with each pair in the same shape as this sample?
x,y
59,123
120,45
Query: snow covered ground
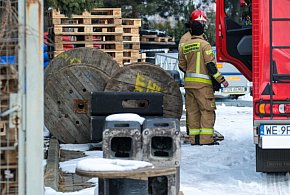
x,y
225,169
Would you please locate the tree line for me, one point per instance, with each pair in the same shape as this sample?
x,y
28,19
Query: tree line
x,y
178,10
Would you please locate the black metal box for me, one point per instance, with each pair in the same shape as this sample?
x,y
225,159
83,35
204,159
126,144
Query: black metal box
x,y
106,103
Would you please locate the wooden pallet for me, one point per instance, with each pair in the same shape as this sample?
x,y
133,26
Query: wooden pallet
x,y
131,54
130,30
87,38
131,38
4,105
85,21
3,128
109,45
165,39
8,49
10,138
9,84
9,188
95,13
8,157
155,38
6,69
85,29
115,54
131,46
131,60
131,22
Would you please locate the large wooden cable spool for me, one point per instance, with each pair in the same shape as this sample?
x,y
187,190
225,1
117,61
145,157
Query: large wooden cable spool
x,y
144,77
67,101
69,80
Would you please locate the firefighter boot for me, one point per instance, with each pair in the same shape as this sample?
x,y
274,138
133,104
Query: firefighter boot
x,y
207,140
194,139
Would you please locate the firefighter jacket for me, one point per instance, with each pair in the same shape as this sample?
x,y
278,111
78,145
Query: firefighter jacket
x,y
194,55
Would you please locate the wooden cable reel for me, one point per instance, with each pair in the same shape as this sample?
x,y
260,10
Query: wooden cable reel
x,y
144,77
68,90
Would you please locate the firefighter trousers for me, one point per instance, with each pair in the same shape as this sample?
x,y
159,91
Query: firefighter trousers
x,y
200,108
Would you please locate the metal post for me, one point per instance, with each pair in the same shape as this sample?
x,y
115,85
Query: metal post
x,y
271,57
31,93
20,101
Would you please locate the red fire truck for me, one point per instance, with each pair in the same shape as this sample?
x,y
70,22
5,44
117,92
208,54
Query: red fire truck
x,y
254,36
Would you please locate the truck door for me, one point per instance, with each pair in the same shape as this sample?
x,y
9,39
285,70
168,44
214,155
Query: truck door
x,y
234,34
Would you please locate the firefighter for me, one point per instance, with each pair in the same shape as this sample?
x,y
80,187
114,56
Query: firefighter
x,y
197,61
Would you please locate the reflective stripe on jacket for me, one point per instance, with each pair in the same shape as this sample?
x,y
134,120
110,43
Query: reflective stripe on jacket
x,y
194,53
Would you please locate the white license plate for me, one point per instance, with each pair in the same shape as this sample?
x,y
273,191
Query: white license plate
x,y
274,130
233,90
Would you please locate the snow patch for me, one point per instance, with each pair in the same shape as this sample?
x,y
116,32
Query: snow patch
x,y
101,164
70,166
125,117
77,147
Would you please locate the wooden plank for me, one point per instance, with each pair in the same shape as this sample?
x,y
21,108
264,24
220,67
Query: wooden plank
x,y
9,188
131,46
129,61
86,29
51,175
103,20
130,30
66,155
71,182
136,22
155,38
163,44
131,38
3,127
95,13
10,138
141,173
104,38
115,54
9,157
149,78
131,54
96,44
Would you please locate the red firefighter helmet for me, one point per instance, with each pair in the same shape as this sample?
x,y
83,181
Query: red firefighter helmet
x,y
199,16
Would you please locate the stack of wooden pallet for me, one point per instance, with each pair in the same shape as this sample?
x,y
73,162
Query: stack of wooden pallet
x,y
156,37
102,28
8,130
